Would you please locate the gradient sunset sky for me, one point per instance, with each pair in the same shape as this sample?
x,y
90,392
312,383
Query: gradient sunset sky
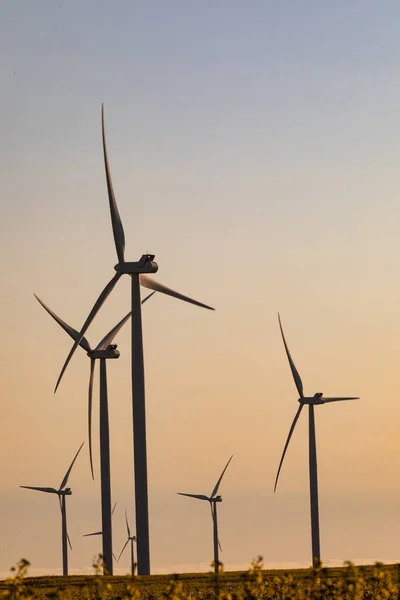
x,y
254,148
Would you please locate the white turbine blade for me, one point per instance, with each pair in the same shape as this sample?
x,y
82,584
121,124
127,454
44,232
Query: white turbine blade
x,y
127,525
287,443
125,545
118,230
90,400
106,341
215,490
72,332
147,297
112,512
65,480
99,302
151,284
90,534
296,376
39,489
198,496
336,399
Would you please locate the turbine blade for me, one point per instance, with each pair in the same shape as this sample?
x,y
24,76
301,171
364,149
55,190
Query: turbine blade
x,y
125,545
99,302
118,230
65,480
147,297
127,525
49,490
287,442
296,376
151,284
112,512
69,541
198,496
106,341
89,534
336,399
215,490
212,506
90,399
72,332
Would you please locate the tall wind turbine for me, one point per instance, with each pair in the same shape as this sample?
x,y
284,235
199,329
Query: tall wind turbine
x,y
104,350
61,492
131,539
318,398
213,499
139,276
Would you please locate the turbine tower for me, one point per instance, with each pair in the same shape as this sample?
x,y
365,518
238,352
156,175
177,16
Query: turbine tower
x,y
62,492
104,350
213,499
132,540
317,399
138,272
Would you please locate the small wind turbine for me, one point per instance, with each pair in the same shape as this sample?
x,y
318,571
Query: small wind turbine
x,y
318,398
213,499
104,350
101,533
138,272
131,539
62,492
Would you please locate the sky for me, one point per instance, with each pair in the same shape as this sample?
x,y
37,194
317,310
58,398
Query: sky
x,y
254,150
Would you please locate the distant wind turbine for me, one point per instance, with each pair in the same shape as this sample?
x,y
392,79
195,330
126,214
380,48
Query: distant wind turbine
x,y
138,272
100,532
213,499
62,492
104,350
318,398
131,539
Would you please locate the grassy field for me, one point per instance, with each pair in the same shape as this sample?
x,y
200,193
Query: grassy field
x,y
349,582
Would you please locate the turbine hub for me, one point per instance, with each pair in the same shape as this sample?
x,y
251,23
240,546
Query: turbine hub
x,y
145,265
217,499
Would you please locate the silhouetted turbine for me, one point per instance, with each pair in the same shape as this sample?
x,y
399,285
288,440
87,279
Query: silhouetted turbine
x,y
138,272
104,350
213,499
62,492
101,533
318,398
131,539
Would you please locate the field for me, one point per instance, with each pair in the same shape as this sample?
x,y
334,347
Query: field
x,y
345,583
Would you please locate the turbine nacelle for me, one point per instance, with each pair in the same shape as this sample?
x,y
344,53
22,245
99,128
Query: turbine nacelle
x,y
66,492
110,352
316,399
145,265
216,499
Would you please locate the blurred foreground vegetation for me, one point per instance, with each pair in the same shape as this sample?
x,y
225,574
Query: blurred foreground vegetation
x,y
375,582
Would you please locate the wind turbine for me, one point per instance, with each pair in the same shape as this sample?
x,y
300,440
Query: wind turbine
x,y
213,499
131,539
138,272
62,492
101,533
318,398
104,350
